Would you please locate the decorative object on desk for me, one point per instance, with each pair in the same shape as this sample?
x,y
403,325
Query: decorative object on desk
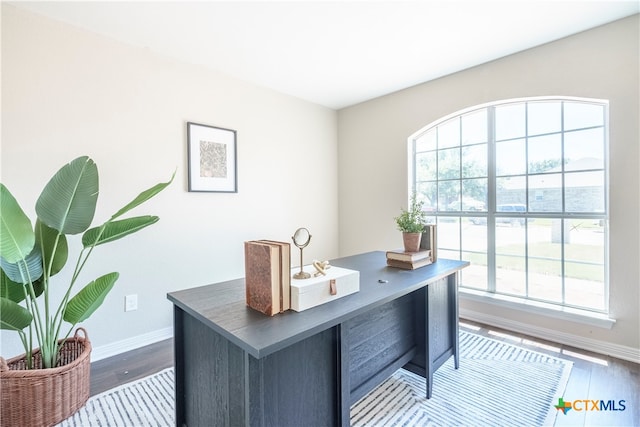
x,y
408,265
402,255
267,276
429,241
30,257
408,260
411,222
335,283
213,164
301,239
321,268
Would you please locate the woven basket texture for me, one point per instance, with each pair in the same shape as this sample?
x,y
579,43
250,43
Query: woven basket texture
x,y
45,397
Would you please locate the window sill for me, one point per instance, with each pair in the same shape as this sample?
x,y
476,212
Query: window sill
x,y
563,313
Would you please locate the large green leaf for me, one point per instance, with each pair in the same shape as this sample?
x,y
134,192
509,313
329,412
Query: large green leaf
x,y
13,316
143,197
85,302
10,289
115,230
20,273
16,235
68,201
46,240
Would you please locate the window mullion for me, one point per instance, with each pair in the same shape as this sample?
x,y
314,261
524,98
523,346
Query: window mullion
x,y
491,201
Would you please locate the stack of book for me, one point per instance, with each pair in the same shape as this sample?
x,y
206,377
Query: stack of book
x,y
408,260
427,254
267,266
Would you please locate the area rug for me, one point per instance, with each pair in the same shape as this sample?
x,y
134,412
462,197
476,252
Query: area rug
x,y
497,384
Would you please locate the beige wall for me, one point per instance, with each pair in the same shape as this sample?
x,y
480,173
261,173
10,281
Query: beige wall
x,y
67,92
601,63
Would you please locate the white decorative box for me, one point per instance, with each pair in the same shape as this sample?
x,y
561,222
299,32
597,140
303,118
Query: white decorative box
x,y
316,290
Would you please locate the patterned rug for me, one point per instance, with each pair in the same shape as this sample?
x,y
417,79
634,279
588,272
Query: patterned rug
x,y
498,384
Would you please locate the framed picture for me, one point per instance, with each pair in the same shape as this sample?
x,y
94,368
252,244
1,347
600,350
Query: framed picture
x,y
213,165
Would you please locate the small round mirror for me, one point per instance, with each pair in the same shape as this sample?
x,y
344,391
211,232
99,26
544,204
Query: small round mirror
x,y
301,237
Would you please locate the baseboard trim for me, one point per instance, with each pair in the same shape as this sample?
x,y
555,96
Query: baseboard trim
x,y
615,350
115,348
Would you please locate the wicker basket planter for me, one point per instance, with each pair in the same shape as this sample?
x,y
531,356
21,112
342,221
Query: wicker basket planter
x,y
45,397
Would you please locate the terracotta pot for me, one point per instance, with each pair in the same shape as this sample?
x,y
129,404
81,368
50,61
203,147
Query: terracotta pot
x,y
45,397
411,241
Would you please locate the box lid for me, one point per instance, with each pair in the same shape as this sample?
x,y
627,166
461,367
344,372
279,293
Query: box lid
x,y
305,285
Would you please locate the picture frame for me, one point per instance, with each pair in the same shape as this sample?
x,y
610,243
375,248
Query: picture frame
x,y
212,159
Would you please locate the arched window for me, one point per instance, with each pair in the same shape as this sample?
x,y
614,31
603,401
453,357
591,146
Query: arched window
x,y
519,188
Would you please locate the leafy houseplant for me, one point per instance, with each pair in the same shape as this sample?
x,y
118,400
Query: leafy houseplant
x,y
31,255
411,222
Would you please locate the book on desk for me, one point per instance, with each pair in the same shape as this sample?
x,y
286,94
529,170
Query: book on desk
x,y
267,276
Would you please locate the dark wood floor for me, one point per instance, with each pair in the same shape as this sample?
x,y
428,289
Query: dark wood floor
x,y
593,376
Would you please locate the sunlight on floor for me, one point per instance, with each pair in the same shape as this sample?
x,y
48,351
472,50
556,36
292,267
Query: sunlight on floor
x,y
506,336
548,347
469,326
592,359
515,339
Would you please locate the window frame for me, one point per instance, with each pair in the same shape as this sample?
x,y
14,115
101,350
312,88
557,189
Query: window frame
x,y
491,211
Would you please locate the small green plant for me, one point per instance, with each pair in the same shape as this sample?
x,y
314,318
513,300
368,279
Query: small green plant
x,y
412,220
31,254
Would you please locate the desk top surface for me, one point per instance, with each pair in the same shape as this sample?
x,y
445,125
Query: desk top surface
x,y
221,306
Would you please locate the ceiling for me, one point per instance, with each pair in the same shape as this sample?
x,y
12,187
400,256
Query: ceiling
x,y
337,53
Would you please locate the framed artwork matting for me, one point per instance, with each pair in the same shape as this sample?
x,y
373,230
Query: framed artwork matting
x,y
212,158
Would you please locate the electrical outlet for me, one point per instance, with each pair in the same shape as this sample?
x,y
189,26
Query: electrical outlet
x,y
131,302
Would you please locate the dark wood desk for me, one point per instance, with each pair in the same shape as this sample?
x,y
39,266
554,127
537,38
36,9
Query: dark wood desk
x,y
236,367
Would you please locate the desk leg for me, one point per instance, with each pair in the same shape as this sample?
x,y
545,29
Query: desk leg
x,y
343,383
428,347
455,319
178,348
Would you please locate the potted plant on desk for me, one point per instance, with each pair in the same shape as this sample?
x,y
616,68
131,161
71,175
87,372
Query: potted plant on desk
x,y
411,222
47,385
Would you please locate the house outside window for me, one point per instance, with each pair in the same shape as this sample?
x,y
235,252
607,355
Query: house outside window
x,y
519,188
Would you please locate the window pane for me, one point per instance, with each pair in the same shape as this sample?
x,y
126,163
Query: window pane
x,y
511,157
449,235
545,193
449,133
426,141
449,163
545,263
428,192
511,190
584,192
584,264
545,153
474,244
544,117
584,149
426,166
449,196
579,115
474,194
510,121
511,268
474,127
474,161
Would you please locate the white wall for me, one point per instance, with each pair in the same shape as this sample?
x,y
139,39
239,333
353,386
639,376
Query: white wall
x,y
600,63
67,92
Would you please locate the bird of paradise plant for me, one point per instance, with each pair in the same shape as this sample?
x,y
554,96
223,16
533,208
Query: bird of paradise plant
x,y
30,255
